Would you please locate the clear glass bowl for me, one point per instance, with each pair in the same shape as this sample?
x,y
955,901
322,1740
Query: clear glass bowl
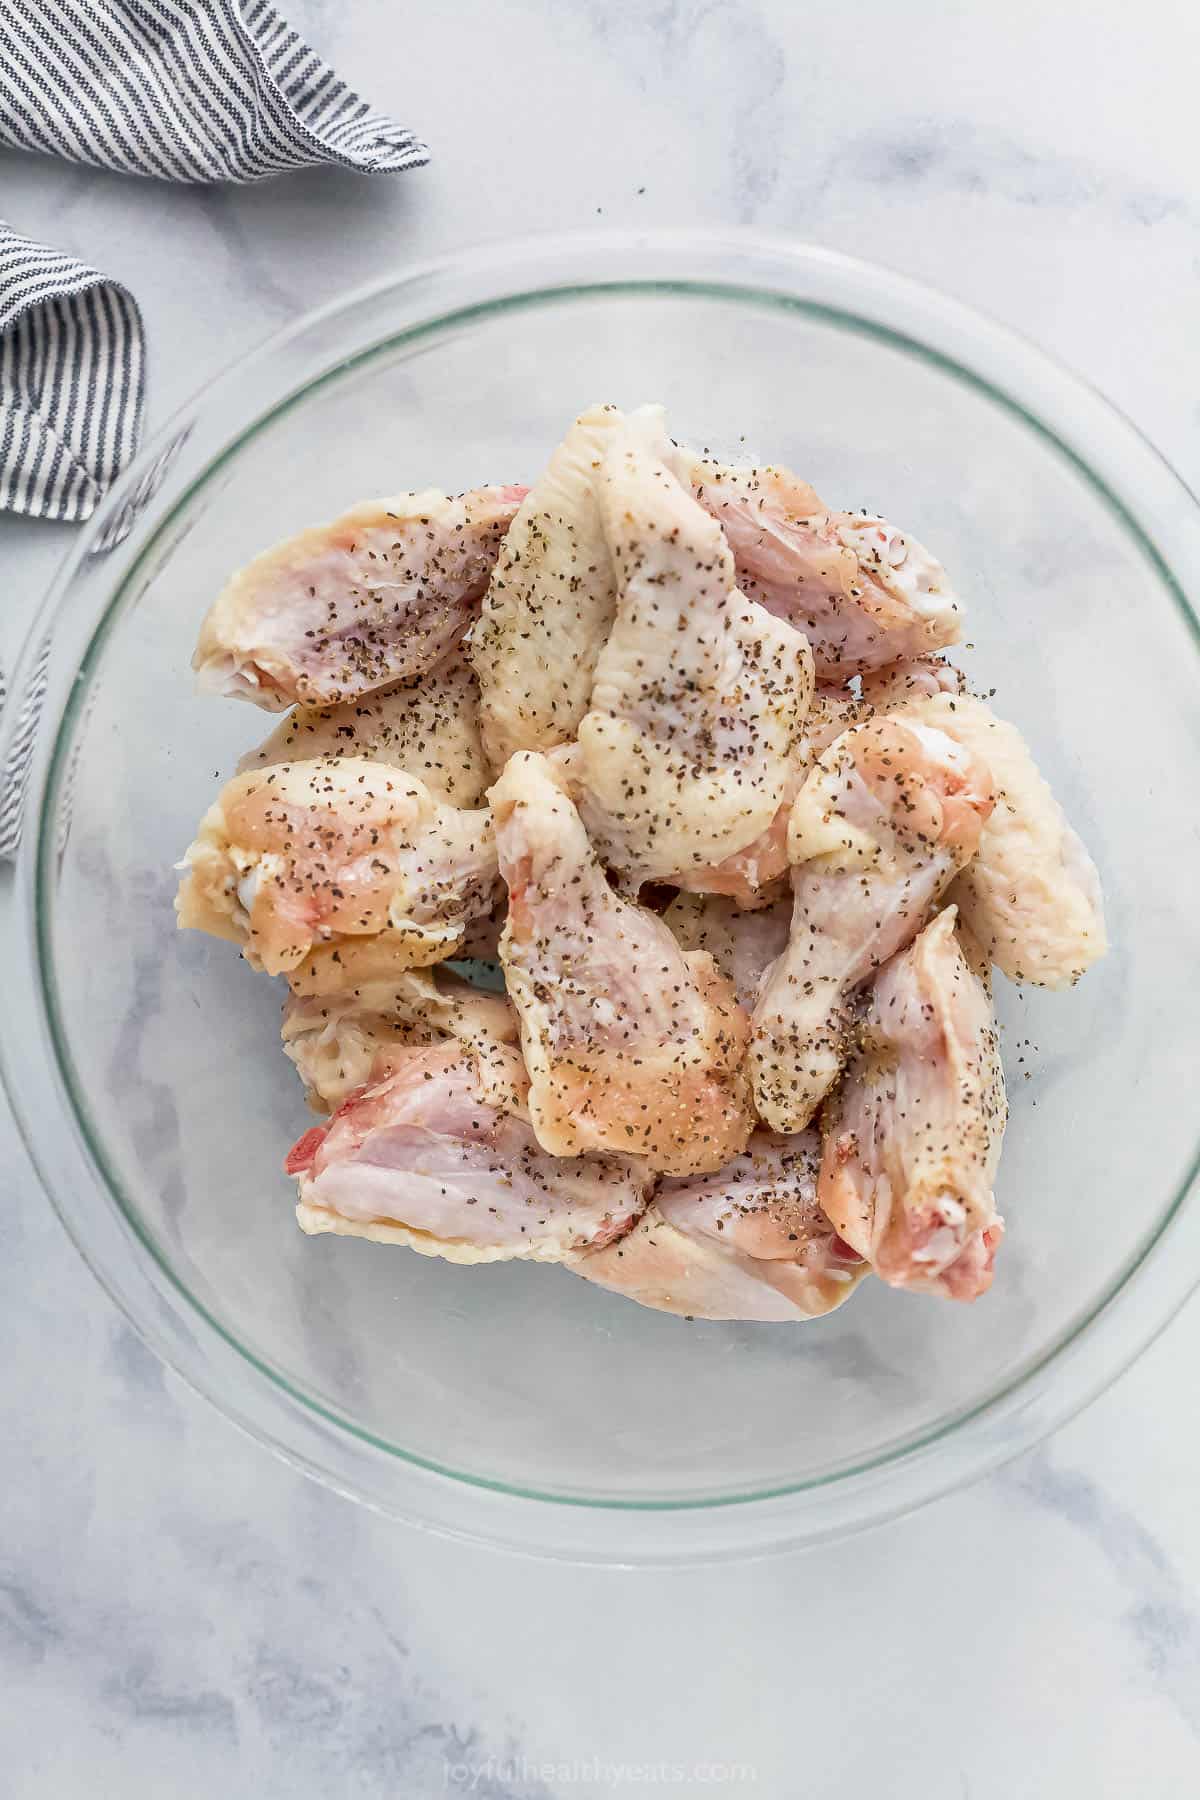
x,y
519,1404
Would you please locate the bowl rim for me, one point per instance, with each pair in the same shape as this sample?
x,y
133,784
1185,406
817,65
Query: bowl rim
x,y
808,274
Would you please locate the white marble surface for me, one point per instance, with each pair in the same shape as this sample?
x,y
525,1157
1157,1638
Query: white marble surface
x,y
181,1615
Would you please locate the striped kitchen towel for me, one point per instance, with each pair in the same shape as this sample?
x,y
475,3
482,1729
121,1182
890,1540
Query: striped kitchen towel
x,y
70,379
184,90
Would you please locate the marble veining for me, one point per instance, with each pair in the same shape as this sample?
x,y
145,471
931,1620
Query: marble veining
x,y
960,158
1163,1615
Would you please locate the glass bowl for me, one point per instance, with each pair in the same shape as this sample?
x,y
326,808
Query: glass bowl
x,y
514,1403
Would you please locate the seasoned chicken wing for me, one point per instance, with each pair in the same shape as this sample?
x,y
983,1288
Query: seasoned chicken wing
x,y
862,592
912,1137
378,596
552,598
747,1242
437,1157
698,697
313,853
888,816
341,1040
428,726
1031,894
742,943
631,1043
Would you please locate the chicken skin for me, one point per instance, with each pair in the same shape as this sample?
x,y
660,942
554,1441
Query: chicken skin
x,y
428,726
379,596
753,876
666,755
888,816
747,1242
699,696
632,1044
883,690
912,1138
742,943
313,853
833,710
862,592
552,597
1031,894
341,1040
432,1157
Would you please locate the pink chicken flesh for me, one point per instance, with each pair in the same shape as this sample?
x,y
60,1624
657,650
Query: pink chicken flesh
x,y
888,816
632,1044
862,592
378,596
747,1242
912,1139
293,856
753,876
434,1156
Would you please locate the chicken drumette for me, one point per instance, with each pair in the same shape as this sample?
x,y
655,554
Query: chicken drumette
x,y
698,700
305,855
912,1137
437,1154
379,595
747,1242
888,816
862,592
552,598
632,1044
1031,894
428,726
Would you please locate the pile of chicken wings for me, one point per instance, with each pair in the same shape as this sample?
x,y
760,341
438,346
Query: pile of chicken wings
x,y
672,744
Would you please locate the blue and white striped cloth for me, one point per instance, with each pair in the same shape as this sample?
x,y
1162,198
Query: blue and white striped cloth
x,y
182,90
71,358
185,90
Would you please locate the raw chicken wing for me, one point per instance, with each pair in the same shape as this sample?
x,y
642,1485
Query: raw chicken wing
x,y
428,726
912,1138
313,853
747,1242
430,1157
340,1041
631,1044
886,819
862,592
378,596
1031,895
552,598
699,695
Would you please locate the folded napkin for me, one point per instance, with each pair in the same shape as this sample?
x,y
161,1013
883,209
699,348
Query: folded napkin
x,y
185,90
